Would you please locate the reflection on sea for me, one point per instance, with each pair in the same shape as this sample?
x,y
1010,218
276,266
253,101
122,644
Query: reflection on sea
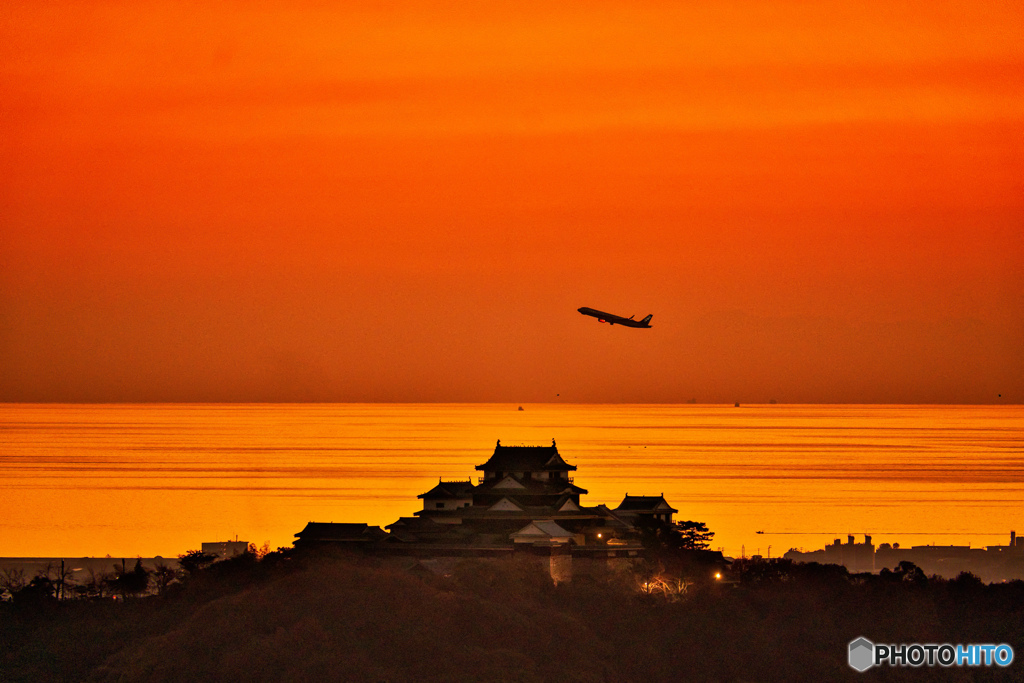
x,y
78,480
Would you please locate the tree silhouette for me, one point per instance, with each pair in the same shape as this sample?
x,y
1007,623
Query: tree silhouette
x,y
906,571
163,576
39,590
56,576
130,583
194,560
694,535
137,580
679,551
688,535
13,580
97,583
259,552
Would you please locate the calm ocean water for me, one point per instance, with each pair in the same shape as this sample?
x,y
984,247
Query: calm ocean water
x,y
84,480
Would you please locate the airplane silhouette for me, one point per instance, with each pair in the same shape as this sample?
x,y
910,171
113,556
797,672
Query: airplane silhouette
x,y
616,319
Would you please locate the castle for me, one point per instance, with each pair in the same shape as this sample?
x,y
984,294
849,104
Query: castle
x,y
526,501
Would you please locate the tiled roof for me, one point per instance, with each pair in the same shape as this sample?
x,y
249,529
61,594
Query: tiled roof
x,y
644,504
413,524
526,459
612,520
536,487
450,489
330,531
543,527
527,510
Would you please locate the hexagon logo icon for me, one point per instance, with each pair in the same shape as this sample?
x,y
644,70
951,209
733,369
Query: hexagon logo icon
x,y
862,654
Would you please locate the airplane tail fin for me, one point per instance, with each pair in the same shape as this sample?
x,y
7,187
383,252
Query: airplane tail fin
x,y
647,320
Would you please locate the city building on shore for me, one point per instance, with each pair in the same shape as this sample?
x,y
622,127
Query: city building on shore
x,y
991,563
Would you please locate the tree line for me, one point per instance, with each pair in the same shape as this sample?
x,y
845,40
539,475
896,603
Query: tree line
x,y
124,580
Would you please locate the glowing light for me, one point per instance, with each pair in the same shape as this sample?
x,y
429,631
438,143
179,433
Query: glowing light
x,y
599,535
718,576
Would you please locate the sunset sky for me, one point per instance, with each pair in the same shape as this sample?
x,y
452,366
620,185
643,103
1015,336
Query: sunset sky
x,y
818,201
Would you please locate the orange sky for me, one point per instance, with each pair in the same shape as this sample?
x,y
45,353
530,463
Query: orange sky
x,y
817,201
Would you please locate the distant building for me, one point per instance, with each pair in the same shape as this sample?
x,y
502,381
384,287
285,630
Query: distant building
x,y
857,557
993,563
225,549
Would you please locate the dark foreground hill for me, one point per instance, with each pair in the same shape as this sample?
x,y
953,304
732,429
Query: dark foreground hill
x,y
357,619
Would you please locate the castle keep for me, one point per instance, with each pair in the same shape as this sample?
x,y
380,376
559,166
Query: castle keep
x,y
525,501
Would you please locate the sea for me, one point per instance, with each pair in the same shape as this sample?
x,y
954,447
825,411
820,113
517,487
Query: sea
x,y
149,480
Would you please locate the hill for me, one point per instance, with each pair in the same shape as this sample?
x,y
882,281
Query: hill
x,y
349,618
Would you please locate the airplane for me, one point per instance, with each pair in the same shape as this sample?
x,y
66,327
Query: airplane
x,y
616,319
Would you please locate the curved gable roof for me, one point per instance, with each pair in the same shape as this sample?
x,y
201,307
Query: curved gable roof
x,y
526,459
331,531
450,489
505,505
542,528
645,504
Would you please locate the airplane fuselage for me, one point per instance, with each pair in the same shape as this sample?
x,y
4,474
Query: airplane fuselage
x,y
615,319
